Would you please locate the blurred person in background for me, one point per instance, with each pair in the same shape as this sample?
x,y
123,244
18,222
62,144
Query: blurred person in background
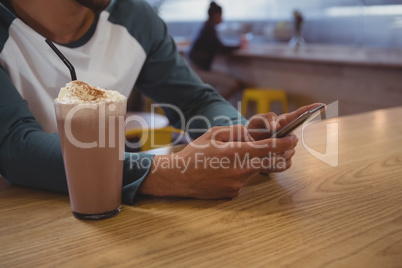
x,y
202,53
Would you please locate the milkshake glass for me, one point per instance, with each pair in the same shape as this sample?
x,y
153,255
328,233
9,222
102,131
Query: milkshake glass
x,y
91,127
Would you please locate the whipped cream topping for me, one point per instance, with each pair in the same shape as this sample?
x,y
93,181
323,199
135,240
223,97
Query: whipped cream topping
x,y
81,92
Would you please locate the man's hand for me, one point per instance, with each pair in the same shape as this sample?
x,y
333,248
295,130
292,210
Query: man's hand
x,y
217,164
220,162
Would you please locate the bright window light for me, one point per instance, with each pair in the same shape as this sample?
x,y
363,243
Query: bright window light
x,y
389,10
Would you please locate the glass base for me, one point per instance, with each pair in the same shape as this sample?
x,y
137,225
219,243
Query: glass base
x,y
101,216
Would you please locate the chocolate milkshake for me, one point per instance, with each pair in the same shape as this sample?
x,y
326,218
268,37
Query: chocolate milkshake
x,y
91,125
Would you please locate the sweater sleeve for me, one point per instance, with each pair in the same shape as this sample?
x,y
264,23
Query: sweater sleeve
x,y
28,156
33,158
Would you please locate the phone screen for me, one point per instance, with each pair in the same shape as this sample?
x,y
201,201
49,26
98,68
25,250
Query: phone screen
x,y
298,121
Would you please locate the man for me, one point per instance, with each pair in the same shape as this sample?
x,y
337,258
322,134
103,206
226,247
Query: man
x,y
116,45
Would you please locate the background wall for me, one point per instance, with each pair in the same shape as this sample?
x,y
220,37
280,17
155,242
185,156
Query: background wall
x,y
348,22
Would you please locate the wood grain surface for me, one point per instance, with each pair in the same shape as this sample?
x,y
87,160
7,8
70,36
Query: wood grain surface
x,y
313,215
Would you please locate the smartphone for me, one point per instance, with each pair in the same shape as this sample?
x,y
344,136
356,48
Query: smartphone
x,y
299,121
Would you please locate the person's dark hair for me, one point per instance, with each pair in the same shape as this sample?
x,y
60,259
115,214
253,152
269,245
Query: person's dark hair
x,y
214,8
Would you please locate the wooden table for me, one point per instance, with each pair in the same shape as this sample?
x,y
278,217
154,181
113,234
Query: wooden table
x,y
313,215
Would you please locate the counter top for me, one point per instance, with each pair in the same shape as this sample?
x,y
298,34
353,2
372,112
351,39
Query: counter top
x,y
331,54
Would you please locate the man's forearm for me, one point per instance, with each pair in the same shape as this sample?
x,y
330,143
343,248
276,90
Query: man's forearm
x,y
162,181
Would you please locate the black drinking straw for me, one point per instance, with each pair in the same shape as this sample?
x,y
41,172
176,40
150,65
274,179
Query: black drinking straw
x,y
63,58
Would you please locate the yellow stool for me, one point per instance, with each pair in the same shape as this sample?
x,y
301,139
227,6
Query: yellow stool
x,y
153,138
148,103
263,98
